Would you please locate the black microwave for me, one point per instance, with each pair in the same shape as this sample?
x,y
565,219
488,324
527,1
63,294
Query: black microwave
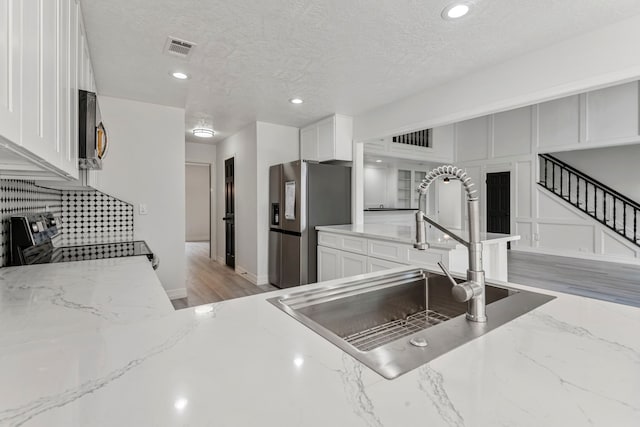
x,y
92,137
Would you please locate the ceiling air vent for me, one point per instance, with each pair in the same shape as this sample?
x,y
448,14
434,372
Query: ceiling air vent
x,y
178,47
420,138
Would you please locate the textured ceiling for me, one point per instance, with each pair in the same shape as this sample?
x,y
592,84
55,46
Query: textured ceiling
x,y
345,56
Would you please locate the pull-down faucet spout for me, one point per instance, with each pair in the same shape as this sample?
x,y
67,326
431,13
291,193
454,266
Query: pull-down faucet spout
x,y
473,290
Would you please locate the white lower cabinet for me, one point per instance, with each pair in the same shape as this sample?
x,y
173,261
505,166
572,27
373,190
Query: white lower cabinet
x,y
348,257
336,264
352,264
328,264
375,264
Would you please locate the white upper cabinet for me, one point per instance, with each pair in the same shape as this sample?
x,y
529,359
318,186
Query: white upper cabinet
x,y
43,55
10,69
328,139
309,143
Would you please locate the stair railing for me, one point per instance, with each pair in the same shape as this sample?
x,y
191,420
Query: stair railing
x,y
599,201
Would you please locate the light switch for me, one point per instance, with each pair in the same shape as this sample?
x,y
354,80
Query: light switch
x,y
143,209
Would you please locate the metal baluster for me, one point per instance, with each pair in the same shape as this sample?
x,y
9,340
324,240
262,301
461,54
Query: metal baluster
x,y
553,177
615,219
604,209
561,183
635,224
624,223
546,178
586,197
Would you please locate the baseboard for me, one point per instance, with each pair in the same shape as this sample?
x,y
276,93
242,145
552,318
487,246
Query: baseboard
x,y
246,274
177,293
263,280
579,255
220,260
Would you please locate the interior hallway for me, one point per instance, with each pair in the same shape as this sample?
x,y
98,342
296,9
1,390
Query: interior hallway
x,y
208,281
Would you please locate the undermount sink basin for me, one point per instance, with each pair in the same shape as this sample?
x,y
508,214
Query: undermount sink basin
x,y
394,323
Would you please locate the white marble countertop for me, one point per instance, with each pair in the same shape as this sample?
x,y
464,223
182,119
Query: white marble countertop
x,y
406,234
46,300
573,361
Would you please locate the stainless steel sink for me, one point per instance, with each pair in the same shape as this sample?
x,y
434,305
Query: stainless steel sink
x,y
394,323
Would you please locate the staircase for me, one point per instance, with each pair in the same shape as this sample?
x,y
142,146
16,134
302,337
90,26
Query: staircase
x,y
600,202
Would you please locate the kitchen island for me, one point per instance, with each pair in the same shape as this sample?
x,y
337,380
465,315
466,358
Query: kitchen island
x,y
346,250
243,362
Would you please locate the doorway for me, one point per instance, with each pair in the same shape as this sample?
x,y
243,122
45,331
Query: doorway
x,y
229,212
499,202
198,203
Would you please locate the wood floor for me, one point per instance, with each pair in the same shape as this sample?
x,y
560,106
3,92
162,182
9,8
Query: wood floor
x,y
608,281
208,281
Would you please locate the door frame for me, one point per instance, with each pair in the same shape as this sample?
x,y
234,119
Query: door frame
x,y
224,208
212,206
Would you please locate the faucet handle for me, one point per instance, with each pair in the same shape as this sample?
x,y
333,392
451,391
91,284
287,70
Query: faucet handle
x,y
461,292
446,273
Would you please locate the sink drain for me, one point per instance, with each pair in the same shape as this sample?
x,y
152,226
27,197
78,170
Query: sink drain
x,y
419,342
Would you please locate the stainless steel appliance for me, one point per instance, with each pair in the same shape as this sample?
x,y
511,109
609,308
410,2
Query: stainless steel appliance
x,y
303,195
32,237
92,137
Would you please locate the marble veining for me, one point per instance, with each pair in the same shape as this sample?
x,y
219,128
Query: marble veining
x,y
580,331
18,416
565,363
356,392
39,301
431,383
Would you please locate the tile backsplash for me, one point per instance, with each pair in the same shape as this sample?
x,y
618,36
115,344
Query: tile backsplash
x,y
86,217
18,197
90,217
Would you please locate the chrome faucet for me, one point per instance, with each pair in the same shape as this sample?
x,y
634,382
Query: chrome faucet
x,y
472,291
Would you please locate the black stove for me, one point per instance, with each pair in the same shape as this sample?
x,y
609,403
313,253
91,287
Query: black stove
x,y
32,243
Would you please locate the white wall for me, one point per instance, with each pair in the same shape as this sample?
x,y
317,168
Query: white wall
x,y
197,194
276,144
145,164
511,140
617,167
206,153
255,148
594,59
242,146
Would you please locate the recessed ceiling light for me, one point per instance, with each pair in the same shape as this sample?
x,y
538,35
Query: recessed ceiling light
x,y
180,75
378,161
455,11
296,101
203,132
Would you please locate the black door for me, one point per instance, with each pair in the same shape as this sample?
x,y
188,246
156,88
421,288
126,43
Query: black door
x,y
498,203
229,209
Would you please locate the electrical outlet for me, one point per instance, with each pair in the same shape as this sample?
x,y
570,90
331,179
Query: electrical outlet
x,y
142,209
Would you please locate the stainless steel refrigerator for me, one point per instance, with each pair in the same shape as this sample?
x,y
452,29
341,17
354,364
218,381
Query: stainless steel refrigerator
x,y
303,195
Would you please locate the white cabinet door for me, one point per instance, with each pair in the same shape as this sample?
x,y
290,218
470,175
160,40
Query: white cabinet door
x,y
326,139
328,264
309,143
352,264
67,87
39,104
10,70
375,264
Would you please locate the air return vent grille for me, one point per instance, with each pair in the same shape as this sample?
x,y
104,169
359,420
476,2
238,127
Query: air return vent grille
x,y
178,47
420,138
